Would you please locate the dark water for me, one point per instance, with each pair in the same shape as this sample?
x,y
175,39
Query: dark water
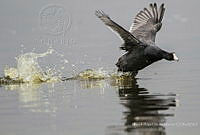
x,y
145,113
163,100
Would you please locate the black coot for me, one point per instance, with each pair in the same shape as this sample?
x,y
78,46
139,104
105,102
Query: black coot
x,y
139,41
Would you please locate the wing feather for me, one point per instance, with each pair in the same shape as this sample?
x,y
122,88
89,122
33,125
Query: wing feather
x,y
123,34
147,23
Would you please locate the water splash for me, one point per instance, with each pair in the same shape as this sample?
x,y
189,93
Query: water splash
x,y
28,69
93,74
100,73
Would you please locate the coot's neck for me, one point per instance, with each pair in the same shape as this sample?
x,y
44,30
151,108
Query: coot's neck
x,y
167,55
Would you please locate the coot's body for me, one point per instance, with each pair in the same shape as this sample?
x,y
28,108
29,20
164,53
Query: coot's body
x,y
136,59
139,41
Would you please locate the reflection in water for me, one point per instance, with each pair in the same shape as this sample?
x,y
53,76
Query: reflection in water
x,y
145,113
33,98
27,92
90,84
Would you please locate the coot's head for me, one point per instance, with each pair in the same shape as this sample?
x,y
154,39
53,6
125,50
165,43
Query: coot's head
x,y
171,56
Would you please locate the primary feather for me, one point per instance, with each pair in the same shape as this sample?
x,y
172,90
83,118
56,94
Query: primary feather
x,y
147,23
125,35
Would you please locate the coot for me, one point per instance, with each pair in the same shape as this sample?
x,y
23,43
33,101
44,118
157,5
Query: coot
x,y
139,41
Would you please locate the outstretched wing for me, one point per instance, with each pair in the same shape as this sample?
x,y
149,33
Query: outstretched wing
x,y
147,23
126,36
